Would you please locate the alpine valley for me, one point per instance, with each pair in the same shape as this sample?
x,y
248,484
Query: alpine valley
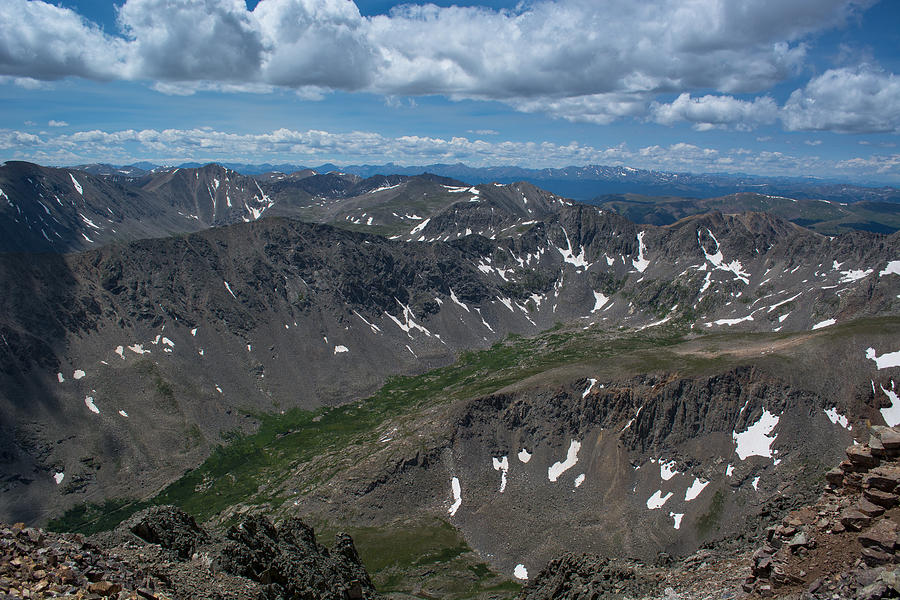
x,y
486,386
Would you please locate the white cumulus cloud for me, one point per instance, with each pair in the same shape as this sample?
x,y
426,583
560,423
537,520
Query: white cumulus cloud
x,y
576,59
864,99
709,111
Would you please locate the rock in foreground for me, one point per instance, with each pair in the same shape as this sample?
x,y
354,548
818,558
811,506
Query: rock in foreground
x,y
161,554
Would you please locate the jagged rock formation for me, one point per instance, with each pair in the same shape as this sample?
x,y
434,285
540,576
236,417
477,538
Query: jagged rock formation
x,y
291,564
169,527
181,560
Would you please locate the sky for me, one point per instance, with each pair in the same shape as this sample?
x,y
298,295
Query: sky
x,y
766,87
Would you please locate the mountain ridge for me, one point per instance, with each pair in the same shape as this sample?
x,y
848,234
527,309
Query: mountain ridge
x,y
586,182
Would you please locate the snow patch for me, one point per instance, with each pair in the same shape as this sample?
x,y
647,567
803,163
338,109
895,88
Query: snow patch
x,y
457,300
138,349
520,572
419,227
340,349
123,413
559,468
717,260
657,500
695,489
825,323
228,287
891,414
889,359
78,374
120,350
677,518
599,301
667,470
372,326
855,275
77,185
502,465
89,402
892,268
640,263
569,255
730,322
837,418
524,455
579,480
755,483
591,383
58,477
457,496
756,441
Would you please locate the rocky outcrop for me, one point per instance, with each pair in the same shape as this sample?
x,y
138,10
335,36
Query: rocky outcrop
x,y
587,576
289,562
162,554
169,527
848,544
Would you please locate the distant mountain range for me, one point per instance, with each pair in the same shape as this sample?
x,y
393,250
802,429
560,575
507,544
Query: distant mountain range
x,y
579,183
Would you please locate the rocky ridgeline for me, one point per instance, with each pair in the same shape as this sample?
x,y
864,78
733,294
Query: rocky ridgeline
x,y
161,553
848,544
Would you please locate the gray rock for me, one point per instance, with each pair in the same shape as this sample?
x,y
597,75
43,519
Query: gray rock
x,y
170,527
290,562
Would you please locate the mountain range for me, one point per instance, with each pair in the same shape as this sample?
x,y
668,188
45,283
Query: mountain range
x,y
579,183
495,371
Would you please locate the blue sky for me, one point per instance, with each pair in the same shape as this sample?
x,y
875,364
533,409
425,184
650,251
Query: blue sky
x,y
771,87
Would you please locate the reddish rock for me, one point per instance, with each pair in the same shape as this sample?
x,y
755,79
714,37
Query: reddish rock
x,y
105,588
869,508
876,496
882,535
861,457
889,437
854,520
874,556
885,478
835,477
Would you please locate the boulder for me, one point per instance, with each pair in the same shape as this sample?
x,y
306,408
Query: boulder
x,y
881,498
835,477
861,457
883,535
855,520
875,556
884,477
868,508
170,527
889,437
